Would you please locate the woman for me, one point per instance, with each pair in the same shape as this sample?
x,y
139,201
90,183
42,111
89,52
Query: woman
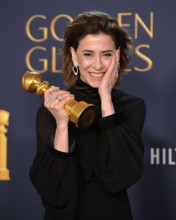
x,y
84,174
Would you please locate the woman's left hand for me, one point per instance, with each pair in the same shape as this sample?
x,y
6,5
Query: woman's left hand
x,y
106,85
110,77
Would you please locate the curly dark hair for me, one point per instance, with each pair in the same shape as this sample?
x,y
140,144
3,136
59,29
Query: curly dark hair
x,y
93,22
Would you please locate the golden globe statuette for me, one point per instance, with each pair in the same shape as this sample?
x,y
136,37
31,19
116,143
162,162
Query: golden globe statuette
x,y
80,113
4,119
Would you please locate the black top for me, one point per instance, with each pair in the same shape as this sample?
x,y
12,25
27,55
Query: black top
x,y
90,182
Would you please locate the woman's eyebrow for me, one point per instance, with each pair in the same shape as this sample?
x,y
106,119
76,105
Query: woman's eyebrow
x,y
104,51
108,51
87,50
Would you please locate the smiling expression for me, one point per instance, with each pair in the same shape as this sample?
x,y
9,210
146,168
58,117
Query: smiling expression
x,y
93,57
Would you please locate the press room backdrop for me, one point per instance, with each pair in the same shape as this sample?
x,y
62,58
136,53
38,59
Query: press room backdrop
x,y
31,35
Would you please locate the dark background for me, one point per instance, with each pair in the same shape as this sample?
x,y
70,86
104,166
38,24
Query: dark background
x,y
154,196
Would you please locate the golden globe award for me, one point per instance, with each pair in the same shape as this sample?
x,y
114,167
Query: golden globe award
x,y
80,113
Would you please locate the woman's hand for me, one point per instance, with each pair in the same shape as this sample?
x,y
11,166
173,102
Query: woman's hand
x,y
55,100
107,84
110,77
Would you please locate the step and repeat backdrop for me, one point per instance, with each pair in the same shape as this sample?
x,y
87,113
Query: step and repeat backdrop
x,y
31,36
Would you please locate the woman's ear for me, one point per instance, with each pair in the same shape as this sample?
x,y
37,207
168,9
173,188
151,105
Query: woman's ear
x,y
74,56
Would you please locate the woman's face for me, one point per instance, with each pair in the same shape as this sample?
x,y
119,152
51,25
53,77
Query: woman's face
x,y
93,57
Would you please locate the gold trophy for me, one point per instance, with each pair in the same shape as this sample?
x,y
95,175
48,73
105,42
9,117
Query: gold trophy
x,y
80,113
4,172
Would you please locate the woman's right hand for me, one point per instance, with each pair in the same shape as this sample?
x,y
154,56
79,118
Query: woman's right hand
x,y
55,100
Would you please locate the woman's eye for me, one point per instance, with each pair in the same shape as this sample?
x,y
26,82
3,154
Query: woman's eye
x,y
108,54
87,54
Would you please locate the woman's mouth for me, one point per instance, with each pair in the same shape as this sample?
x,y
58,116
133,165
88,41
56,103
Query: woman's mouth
x,y
96,75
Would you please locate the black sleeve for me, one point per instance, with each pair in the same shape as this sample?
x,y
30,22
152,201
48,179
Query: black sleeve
x,y
119,156
53,173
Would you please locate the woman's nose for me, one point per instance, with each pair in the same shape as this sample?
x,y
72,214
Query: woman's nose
x,y
98,63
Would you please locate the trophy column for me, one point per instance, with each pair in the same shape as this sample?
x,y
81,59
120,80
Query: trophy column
x,y
4,119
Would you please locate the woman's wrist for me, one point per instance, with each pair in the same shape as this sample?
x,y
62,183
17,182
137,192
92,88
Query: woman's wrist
x,y
107,107
61,138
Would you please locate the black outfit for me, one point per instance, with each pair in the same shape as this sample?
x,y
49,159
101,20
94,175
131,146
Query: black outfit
x,y
90,182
